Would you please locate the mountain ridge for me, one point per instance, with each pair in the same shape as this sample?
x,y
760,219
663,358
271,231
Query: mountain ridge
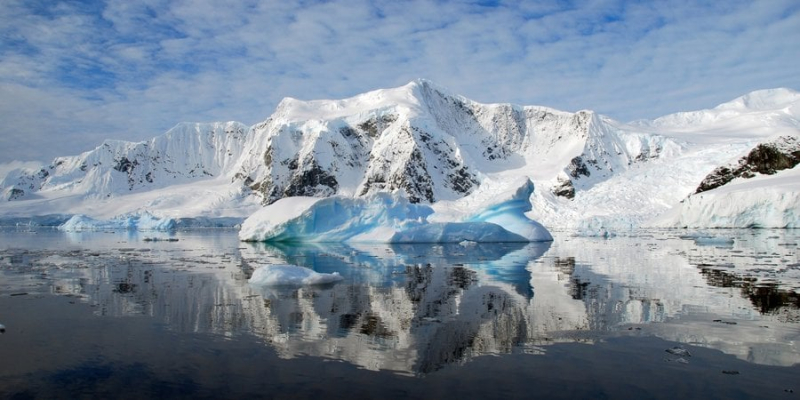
x,y
417,138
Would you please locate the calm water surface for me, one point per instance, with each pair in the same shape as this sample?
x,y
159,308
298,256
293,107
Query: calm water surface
x,y
656,315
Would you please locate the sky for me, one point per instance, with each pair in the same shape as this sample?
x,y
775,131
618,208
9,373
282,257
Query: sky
x,y
74,73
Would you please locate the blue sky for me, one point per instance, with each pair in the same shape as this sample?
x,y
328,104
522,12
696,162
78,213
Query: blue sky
x,y
73,73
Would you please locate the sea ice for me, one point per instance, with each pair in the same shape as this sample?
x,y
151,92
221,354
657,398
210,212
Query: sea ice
x,y
291,275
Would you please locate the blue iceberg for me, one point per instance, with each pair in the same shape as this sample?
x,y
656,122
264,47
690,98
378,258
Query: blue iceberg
x,y
392,218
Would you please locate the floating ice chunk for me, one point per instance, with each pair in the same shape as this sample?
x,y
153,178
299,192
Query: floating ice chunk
x,y
679,351
704,239
291,275
138,222
713,241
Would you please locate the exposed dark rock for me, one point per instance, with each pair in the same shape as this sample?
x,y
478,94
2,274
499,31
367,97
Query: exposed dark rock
x,y
648,153
348,132
15,194
416,180
268,156
462,180
766,159
564,189
125,165
578,168
374,126
307,182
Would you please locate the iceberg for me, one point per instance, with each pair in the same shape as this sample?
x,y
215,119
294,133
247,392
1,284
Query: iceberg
x,y
507,208
392,218
333,219
133,222
704,239
291,275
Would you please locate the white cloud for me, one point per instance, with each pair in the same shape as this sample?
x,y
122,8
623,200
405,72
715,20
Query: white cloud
x,y
72,76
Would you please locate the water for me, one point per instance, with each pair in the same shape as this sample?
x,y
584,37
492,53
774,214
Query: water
x,y
111,314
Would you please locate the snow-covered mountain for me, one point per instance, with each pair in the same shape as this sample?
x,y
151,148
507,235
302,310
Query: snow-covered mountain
x,y
437,147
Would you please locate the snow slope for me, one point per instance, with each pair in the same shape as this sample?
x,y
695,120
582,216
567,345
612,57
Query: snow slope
x,y
655,193
589,172
766,201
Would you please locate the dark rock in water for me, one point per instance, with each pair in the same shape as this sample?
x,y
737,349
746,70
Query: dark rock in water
x,y
766,158
730,372
153,239
679,351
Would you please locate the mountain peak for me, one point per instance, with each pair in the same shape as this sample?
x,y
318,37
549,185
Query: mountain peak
x,y
408,96
763,100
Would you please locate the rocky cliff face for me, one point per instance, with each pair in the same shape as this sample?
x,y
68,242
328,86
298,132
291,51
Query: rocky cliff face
x,y
420,139
767,158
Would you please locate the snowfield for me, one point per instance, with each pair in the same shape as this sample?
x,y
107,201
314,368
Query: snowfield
x,y
417,163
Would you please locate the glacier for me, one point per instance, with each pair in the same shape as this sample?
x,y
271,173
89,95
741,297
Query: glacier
x,y
767,201
593,175
140,222
392,218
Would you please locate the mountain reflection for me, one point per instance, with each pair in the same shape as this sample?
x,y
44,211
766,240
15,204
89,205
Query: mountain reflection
x,y
417,308
767,298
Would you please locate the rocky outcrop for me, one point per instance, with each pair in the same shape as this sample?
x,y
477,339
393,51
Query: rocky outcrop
x,y
564,188
766,158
